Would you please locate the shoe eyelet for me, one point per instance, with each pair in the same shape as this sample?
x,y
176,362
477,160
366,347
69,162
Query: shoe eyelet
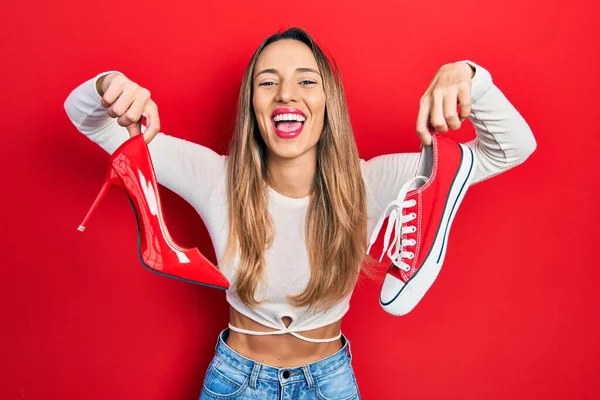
x,y
414,215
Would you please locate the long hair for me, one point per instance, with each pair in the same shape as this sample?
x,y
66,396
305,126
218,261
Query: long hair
x,y
336,221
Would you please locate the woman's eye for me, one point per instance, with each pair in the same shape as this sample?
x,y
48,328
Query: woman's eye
x,y
307,82
266,84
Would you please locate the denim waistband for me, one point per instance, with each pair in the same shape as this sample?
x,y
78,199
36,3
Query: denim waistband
x,y
257,370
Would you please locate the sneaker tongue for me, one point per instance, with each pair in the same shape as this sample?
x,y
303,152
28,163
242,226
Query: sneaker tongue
x,y
287,126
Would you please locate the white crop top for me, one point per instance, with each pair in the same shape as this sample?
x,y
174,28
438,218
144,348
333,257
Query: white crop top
x,y
198,174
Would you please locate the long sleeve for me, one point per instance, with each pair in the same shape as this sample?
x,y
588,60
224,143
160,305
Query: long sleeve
x,y
503,140
187,168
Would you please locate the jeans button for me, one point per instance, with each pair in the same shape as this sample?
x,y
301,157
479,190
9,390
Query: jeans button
x,y
286,374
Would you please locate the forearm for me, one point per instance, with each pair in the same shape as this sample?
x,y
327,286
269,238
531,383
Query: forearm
x,y
84,108
504,139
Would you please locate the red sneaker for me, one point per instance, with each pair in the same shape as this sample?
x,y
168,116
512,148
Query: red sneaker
x,y
131,169
421,217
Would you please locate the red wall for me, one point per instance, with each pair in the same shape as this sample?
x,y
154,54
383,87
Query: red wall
x,y
514,313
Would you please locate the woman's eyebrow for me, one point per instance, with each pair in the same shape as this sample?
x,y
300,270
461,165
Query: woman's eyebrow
x,y
307,70
275,71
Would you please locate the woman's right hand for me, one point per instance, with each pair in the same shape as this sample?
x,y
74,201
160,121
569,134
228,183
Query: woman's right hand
x,y
129,103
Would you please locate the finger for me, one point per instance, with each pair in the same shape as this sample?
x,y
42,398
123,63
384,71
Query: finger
x,y
152,120
132,118
113,92
450,112
423,120
135,128
133,113
464,99
437,111
122,105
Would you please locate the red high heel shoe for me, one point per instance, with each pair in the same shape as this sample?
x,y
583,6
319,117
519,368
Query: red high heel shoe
x,y
131,169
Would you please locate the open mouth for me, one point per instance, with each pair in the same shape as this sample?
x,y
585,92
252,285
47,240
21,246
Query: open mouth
x,y
288,122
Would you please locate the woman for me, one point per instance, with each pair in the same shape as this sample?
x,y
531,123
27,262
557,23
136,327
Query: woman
x,y
290,209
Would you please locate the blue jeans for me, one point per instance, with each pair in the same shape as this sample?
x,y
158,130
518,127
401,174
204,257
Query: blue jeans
x,y
232,376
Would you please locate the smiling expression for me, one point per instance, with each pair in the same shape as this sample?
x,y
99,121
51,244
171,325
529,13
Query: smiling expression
x,y
288,99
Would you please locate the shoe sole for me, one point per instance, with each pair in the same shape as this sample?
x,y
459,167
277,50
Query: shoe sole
x,y
158,272
413,291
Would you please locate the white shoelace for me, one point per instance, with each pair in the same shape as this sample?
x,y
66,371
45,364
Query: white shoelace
x,y
396,223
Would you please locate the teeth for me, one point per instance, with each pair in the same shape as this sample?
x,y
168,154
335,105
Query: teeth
x,y
289,117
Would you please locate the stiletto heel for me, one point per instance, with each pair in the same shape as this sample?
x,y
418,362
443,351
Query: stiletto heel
x,y
131,169
111,179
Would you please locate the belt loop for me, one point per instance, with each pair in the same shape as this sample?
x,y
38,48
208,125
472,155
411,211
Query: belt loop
x,y
348,349
309,378
219,341
254,375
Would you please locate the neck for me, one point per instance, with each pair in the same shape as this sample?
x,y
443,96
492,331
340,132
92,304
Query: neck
x,y
292,177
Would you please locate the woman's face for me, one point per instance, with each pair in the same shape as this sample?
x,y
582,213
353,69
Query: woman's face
x,y
288,100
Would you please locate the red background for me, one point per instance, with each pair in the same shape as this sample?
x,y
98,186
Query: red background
x,y
514,313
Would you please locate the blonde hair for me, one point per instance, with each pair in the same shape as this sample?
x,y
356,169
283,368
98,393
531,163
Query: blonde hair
x,y
336,222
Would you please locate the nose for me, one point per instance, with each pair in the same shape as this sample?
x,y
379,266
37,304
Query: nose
x,y
286,92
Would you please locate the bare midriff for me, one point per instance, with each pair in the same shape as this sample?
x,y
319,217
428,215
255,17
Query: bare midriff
x,y
284,350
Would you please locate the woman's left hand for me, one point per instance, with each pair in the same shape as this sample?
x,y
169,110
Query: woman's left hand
x,y
450,87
